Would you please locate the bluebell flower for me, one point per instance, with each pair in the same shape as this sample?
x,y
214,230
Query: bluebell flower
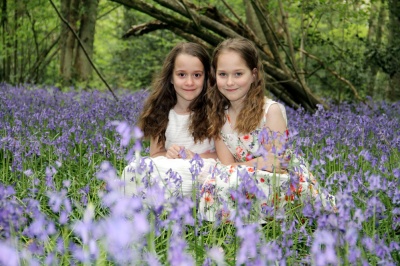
x,y
323,248
12,212
176,253
249,237
155,198
9,255
217,255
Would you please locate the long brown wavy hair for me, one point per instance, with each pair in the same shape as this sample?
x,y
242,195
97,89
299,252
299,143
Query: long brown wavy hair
x,y
153,120
252,112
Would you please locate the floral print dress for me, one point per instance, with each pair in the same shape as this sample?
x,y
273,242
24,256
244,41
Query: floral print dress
x,y
231,191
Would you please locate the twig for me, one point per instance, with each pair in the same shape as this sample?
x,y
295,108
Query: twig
x,y
233,13
194,17
333,72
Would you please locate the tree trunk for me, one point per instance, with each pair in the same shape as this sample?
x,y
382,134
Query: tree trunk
x,y
6,61
374,37
70,11
15,48
83,67
394,40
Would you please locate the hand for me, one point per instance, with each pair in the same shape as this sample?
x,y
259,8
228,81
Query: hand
x,y
189,154
173,152
273,163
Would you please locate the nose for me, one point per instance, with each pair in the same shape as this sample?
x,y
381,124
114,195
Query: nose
x,y
229,81
189,80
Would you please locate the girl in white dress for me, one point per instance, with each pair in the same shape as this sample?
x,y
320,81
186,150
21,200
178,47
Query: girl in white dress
x,y
174,119
257,175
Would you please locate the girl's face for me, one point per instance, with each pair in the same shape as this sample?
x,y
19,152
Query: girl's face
x,y
234,77
187,78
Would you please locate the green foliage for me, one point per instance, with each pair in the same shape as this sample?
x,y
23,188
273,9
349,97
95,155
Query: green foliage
x,y
387,58
336,32
339,33
28,29
130,63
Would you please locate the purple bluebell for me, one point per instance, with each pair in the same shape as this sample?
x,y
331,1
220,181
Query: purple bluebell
x,y
9,255
176,253
323,248
217,255
196,165
124,130
249,237
12,212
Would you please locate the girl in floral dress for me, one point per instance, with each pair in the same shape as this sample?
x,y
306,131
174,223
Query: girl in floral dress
x,y
175,121
257,175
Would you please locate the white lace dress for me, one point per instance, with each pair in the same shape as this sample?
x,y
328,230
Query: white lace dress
x,y
177,176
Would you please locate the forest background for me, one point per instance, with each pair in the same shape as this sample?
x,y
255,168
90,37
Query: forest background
x,y
336,50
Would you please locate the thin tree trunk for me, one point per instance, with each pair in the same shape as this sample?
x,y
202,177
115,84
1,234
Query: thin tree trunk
x,y
269,32
285,26
70,11
375,30
23,55
33,73
63,35
394,40
5,74
86,34
252,21
15,48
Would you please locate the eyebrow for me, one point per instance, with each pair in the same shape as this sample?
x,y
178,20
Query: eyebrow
x,y
235,70
184,70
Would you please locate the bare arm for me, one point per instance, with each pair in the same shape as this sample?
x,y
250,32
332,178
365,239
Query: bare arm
x,y
156,149
224,154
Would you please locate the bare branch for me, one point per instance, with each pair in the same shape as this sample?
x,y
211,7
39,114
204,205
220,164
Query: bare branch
x,y
193,16
142,29
333,72
293,87
183,24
